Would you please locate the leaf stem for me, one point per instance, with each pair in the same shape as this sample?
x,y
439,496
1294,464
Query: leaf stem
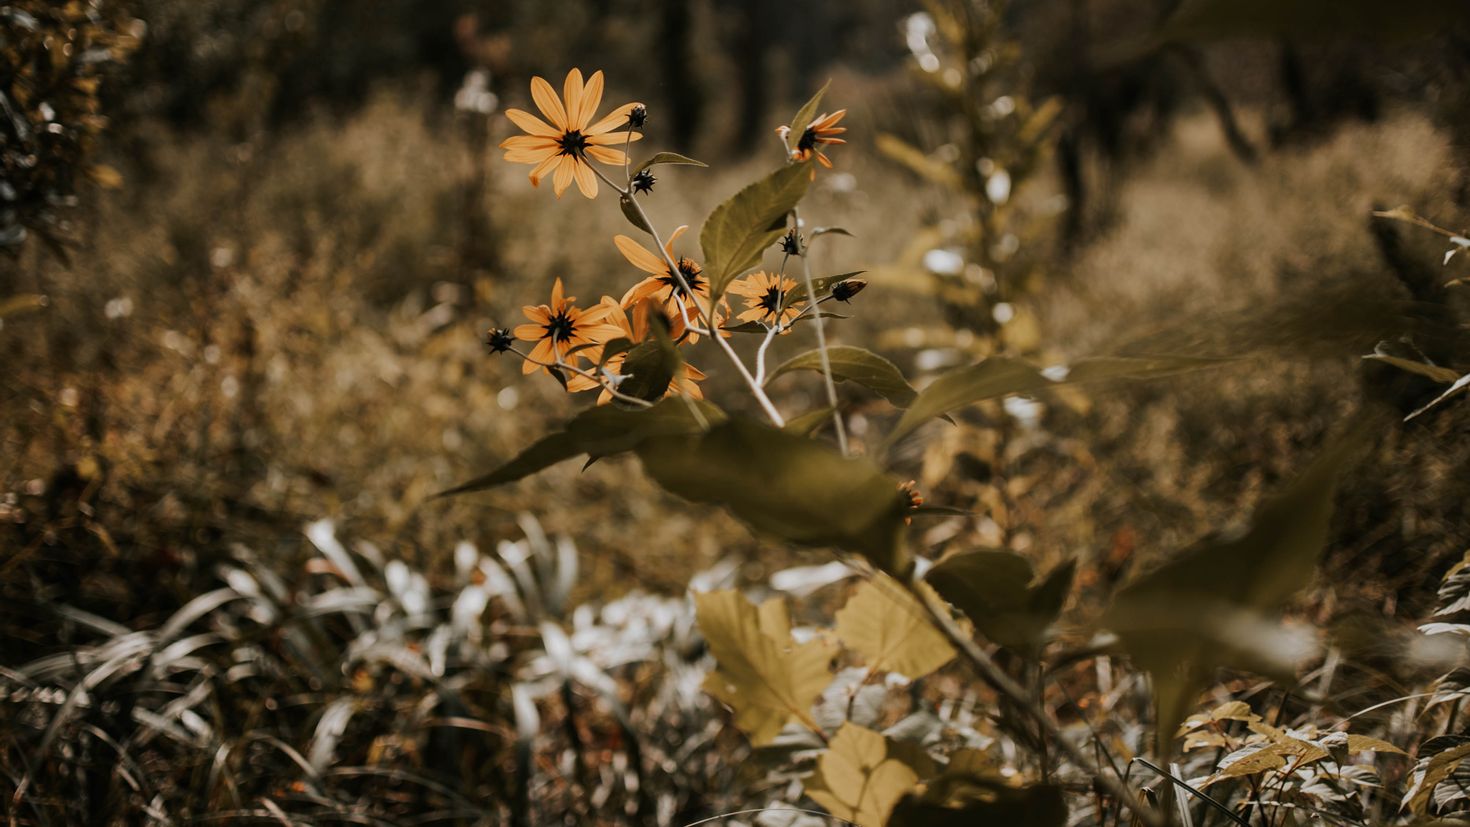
x,y
1003,683
706,316
811,296
605,385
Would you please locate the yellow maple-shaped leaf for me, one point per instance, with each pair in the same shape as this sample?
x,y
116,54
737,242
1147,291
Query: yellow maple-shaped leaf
x,y
892,632
856,778
766,679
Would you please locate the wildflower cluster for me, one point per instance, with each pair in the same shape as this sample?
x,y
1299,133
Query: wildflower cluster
x,y
675,303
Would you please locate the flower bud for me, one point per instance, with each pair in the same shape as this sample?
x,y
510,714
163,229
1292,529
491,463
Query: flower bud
x,y
844,290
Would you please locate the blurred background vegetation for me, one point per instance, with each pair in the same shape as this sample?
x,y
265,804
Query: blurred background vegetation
x,y
248,249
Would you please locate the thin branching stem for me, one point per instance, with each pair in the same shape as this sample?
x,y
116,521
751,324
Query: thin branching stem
x,y
705,316
1006,685
811,297
604,384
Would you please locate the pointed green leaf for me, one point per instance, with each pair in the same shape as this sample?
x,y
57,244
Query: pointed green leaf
x,y
808,111
808,423
1218,603
795,488
601,431
630,212
1002,376
739,230
667,158
855,364
993,589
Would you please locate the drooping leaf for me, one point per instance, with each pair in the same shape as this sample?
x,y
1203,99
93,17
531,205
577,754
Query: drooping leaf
x,y
668,158
1454,390
630,212
857,779
993,589
768,681
1218,603
739,230
601,431
858,365
795,488
887,626
1439,758
1002,376
808,111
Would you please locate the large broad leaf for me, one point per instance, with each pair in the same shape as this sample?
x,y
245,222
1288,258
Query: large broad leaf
x,y
857,779
790,486
600,432
739,230
887,626
993,589
1002,376
1218,603
858,365
762,674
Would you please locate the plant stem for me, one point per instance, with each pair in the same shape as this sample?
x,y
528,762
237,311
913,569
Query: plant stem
x,y
811,297
1003,683
705,316
642,403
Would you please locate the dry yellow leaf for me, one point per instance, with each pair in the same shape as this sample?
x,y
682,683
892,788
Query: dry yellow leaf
x,y
766,680
892,632
856,778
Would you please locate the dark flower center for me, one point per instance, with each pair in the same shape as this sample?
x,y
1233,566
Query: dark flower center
x,y
808,139
692,273
772,300
573,143
560,328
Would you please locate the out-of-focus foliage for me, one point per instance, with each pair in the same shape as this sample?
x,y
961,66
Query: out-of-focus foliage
x,y
54,60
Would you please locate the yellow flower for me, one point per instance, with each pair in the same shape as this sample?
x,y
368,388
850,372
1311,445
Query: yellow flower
x,y
561,148
662,286
768,296
821,131
558,327
635,330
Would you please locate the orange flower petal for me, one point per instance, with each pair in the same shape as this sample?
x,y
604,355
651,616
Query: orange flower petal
x,y
547,102
532,124
613,138
529,156
571,92
565,171
586,180
530,332
611,120
529,142
639,256
607,156
591,99
542,168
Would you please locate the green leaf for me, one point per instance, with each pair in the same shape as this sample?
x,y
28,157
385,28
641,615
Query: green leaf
x,y
859,778
993,589
789,486
808,111
809,422
1218,604
739,230
762,674
668,158
630,212
855,364
650,367
959,799
757,327
890,629
601,431
1002,376
1438,759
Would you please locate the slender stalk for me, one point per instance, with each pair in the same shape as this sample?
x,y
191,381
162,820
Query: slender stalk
x,y
706,316
1003,683
811,297
605,385
760,355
